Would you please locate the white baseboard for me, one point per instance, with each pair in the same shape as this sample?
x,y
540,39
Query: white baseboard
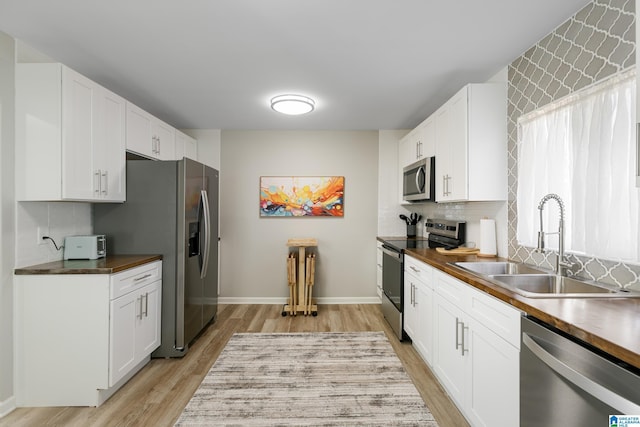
x,y
7,406
283,300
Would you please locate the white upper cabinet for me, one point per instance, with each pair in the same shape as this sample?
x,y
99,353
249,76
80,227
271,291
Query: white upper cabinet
x,y
418,143
186,146
70,137
471,145
148,135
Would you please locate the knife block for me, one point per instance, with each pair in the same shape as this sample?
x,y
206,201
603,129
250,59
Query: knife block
x,y
411,230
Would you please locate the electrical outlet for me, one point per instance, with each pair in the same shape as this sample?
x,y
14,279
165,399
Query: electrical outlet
x,y
42,231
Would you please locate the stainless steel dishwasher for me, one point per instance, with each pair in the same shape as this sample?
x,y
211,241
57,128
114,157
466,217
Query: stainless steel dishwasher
x,y
565,383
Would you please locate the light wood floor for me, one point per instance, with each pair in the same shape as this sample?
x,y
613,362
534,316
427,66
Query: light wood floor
x,y
159,392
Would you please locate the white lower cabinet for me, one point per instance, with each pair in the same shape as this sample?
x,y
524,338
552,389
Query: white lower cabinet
x,y
134,329
418,306
80,337
477,352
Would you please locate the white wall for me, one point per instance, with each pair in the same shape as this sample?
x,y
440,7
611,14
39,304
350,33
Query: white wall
x,y
57,220
7,227
389,209
253,249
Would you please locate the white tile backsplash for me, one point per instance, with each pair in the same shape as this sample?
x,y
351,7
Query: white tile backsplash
x,y
59,219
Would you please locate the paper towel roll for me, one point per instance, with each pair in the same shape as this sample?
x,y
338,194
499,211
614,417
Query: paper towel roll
x,y
487,237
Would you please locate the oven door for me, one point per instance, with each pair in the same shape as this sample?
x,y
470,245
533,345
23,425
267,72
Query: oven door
x,y
392,269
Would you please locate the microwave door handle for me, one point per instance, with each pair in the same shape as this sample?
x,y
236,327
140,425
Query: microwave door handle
x,y
418,175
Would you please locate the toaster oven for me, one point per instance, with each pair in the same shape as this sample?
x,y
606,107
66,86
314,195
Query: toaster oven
x,y
85,247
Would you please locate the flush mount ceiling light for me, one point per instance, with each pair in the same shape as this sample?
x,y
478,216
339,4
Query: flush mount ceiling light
x,y
292,104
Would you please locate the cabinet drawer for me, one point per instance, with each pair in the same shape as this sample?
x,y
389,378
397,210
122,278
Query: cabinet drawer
x,y
501,318
419,269
134,278
452,289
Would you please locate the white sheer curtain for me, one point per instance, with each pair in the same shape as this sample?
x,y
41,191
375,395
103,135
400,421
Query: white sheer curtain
x,y
582,148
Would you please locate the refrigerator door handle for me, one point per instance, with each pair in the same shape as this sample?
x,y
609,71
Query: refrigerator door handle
x,y
207,230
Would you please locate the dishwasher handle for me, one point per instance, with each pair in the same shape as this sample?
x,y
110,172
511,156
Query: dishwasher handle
x,y
619,403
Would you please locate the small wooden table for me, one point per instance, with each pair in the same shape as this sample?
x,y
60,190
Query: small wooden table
x,y
300,299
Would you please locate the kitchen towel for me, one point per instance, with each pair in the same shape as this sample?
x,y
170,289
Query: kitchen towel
x,y
487,238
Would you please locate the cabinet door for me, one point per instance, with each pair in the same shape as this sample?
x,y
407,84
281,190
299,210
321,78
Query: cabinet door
x,y
186,146
494,366
449,363
140,131
428,137
406,151
424,297
80,179
451,149
148,320
110,147
443,151
410,317
165,136
122,336
457,181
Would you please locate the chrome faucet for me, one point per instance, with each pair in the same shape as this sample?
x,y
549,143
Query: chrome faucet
x,y
562,264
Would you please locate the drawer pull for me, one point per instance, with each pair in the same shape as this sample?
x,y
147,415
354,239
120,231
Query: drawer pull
x,y
414,269
142,277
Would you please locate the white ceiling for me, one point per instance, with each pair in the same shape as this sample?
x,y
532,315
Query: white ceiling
x,y
370,64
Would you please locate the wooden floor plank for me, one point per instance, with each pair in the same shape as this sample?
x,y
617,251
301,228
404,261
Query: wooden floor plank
x,y
159,392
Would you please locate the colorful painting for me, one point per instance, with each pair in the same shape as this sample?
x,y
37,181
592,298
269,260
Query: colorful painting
x,y
292,196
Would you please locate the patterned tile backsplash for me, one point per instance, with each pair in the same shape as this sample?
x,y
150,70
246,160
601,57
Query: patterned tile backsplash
x,y
595,43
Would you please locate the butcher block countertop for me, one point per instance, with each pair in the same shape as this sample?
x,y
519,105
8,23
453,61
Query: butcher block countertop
x,y
609,324
109,265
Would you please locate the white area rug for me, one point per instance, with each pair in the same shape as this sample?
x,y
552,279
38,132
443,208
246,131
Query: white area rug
x,y
307,379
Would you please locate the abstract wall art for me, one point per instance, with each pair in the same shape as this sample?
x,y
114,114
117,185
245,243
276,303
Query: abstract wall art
x,y
301,196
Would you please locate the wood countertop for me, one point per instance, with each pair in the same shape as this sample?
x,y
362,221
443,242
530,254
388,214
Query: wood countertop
x,y
609,324
109,265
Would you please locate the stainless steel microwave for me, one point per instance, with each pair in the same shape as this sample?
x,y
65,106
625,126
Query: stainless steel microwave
x,y
418,181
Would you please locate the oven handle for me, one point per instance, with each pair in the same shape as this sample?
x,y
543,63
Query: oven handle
x,y
391,252
591,387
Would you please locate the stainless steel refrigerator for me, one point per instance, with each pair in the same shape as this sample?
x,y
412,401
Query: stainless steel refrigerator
x,y
171,209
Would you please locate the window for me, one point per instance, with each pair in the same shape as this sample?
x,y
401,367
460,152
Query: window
x,y
582,148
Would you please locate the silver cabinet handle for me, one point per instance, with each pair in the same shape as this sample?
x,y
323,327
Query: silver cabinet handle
x,y
137,279
619,403
413,295
460,342
96,181
140,315
444,185
146,304
462,345
105,189
414,269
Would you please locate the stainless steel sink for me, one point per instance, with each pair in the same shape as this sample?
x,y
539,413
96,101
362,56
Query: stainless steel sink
x,y
532,282
551,286
499,267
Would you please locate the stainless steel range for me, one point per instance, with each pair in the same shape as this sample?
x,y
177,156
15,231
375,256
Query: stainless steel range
x,y
442,233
